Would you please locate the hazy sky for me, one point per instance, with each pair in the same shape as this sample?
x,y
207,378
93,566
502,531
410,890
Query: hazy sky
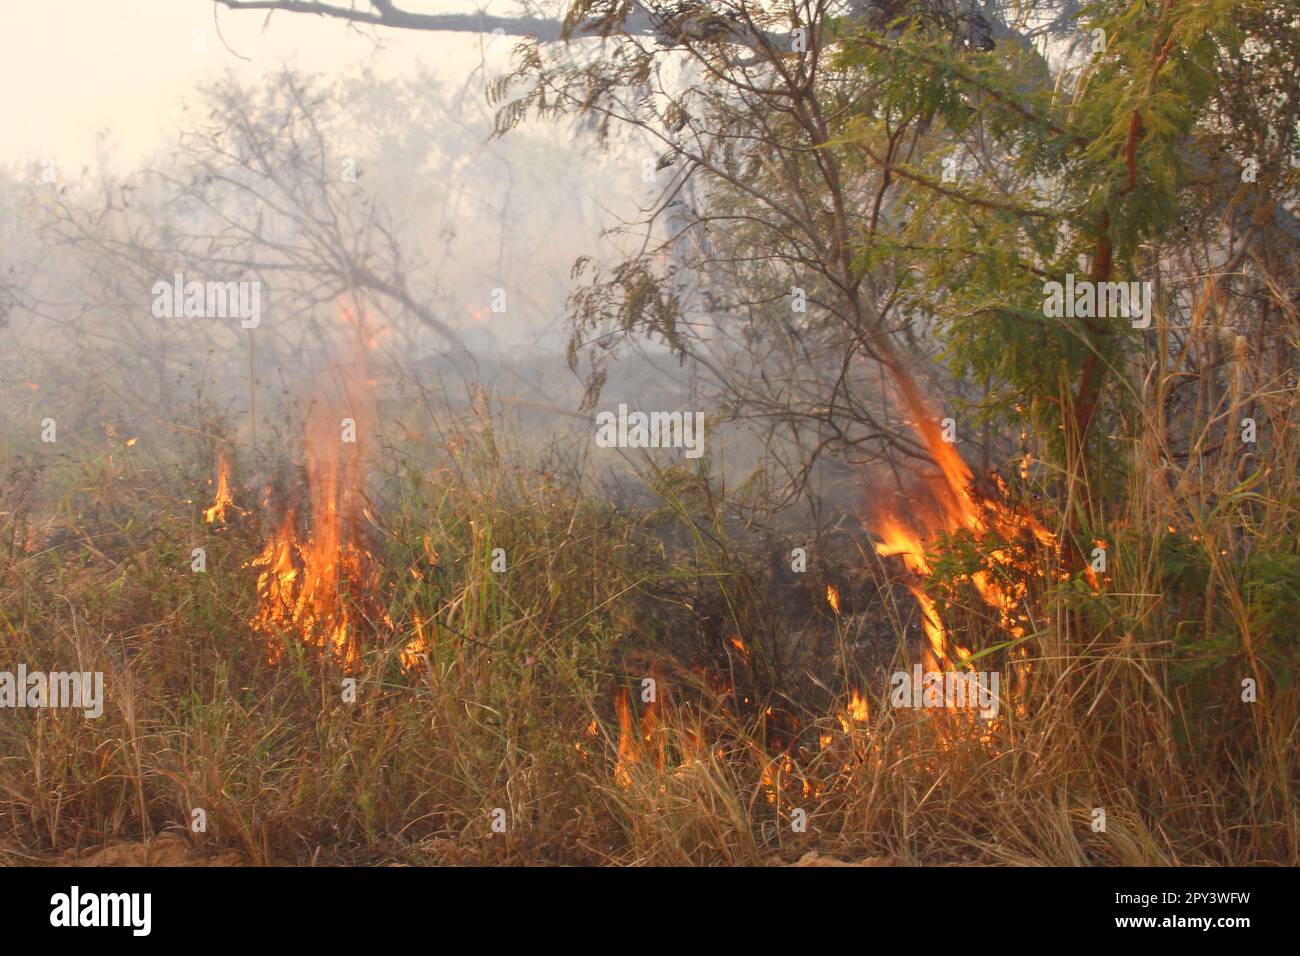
x,y
76,67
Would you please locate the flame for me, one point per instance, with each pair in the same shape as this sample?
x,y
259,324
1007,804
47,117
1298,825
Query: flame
x,y
222,500
637,743
833,598
898,539
303,584
856,714
312,584
413,654
778,774
993,524
857,707
628,752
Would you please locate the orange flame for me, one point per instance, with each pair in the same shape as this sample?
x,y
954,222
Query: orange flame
x,y
222,500
898,539
833,597
857,713
311,585
857,707
628,751
990,521
636,743
412,655
303,584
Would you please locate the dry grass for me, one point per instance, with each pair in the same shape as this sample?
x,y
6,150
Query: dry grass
x,y
1133,702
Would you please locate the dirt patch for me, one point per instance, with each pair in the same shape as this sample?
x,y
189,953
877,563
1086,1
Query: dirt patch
x,y
169,849
813,858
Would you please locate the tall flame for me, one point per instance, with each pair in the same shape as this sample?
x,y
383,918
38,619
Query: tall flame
x,y
310,583
898,539
629,752
222,499
960,509
637,743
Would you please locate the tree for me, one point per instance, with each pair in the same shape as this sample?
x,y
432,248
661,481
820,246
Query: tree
x,y
805,146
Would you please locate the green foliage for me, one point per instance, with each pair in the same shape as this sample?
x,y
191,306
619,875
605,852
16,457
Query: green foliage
x,y
1273,589
1078,171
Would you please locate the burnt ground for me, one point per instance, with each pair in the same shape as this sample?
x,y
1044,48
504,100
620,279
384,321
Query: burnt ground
x,y
795,653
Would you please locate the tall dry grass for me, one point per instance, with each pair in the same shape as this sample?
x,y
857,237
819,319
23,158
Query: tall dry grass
x,y
1131,700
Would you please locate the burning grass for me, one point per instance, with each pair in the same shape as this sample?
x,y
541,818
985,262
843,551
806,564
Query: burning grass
x,y
523,690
